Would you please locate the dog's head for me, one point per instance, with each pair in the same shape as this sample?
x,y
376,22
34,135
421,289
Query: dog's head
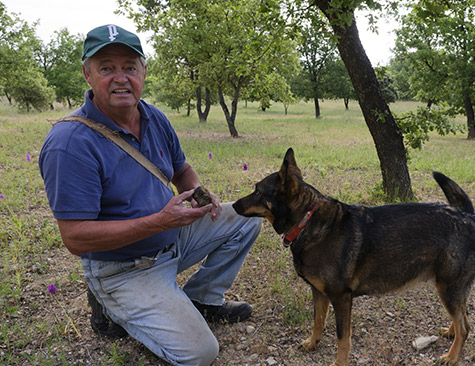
x,y
277,197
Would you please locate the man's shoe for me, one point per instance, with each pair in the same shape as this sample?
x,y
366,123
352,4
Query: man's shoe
x,y
100,324
229,312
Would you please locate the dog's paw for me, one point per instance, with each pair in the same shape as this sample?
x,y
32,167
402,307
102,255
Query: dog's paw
x,y
448,332
447,360
310,345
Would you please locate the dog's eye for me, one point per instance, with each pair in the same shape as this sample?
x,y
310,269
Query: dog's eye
x,y
257,193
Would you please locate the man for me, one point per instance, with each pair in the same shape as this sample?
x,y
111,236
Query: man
x,y
132,233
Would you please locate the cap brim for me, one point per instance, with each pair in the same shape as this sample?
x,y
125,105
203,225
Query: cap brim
x,y
94,50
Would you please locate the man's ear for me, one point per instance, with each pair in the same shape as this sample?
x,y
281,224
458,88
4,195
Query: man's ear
x,y
86,74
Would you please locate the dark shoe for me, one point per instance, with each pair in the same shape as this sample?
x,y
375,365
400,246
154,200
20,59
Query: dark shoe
x,y
230,311
100,323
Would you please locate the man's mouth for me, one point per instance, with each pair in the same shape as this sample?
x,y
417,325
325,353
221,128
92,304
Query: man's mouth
x,y
121,91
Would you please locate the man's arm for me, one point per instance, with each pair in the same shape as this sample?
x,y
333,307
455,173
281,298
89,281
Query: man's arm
x,y
84,236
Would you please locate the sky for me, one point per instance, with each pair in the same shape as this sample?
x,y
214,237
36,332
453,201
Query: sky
x,y
80,16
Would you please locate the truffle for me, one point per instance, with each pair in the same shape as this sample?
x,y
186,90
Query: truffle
x,y
202,196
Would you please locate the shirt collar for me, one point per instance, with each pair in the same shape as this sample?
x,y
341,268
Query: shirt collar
x,y
89,110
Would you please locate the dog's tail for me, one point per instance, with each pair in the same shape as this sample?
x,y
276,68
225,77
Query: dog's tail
x,y
455,195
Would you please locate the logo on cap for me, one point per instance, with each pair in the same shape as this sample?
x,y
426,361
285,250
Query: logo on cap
x,y
112,32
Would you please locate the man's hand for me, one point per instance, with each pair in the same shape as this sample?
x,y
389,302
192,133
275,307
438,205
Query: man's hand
x,y
216,206
175,214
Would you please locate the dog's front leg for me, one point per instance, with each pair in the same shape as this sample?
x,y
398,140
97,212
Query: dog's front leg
x,y
321,304
342,307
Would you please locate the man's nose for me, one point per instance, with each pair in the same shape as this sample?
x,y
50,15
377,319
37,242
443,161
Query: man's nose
x,y
120,76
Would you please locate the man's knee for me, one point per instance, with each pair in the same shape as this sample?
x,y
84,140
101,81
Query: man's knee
x,y
210,352
205,351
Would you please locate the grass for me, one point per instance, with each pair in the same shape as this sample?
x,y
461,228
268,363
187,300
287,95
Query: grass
x,y
337,156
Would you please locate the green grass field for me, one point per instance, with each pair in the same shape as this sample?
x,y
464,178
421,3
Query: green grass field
x,y
337,156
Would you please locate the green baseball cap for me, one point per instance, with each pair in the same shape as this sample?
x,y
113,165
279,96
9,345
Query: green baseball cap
x,y
110,34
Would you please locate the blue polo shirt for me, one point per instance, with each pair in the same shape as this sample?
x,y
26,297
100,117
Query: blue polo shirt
x,y
88,177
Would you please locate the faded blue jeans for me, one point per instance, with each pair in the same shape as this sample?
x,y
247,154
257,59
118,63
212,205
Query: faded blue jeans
x,y
143,297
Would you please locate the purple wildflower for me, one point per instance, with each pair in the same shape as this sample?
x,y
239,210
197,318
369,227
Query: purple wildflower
x,y
52,289
2,196
244,166
28,157
210,155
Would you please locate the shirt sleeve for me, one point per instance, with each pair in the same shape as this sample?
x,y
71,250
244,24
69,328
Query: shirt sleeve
x,y
72,183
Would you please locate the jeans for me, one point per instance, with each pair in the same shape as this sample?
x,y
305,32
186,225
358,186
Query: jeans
x,y
143,297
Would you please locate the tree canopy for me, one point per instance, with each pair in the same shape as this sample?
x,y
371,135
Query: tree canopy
x,y
33,74
224,45
437,43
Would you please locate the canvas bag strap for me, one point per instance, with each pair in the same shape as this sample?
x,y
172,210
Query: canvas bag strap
x,y
119,141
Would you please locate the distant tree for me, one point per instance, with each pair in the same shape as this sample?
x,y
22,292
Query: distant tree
x,y
337,83
399,71
437,41
387,84
317,51
272,87
65,72
20,77
171,88
31,90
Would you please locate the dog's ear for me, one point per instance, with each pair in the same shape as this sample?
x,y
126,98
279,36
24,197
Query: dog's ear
x,y
291,164
289,171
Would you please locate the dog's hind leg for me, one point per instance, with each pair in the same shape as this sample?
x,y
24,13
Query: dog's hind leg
x,y
342,307
321,304
454,299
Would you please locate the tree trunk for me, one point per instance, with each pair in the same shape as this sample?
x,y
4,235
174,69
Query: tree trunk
x,y
347,103
203,115
386,135
317,107
230,117
467,101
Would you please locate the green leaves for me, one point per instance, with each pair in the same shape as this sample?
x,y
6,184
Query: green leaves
x,y
416,125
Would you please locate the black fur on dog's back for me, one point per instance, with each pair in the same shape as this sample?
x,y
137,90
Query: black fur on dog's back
x,y
455,195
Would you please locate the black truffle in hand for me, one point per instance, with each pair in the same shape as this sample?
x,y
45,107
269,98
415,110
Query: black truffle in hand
x,y
202,196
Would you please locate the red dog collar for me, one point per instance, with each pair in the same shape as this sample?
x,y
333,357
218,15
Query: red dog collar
x,y
287,241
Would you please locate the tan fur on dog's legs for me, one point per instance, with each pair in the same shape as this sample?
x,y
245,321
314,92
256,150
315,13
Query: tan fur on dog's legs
x,y
321,304
459,327
461,333
342,308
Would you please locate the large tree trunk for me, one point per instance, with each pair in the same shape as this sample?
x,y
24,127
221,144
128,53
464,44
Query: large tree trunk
x,y
230,117
386,135
203,115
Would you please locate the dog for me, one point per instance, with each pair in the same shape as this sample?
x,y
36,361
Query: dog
x,y
344,251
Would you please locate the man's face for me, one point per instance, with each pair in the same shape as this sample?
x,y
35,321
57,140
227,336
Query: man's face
x,y
117,78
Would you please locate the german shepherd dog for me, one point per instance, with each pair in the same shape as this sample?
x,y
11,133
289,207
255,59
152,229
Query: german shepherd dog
x,y
345,251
